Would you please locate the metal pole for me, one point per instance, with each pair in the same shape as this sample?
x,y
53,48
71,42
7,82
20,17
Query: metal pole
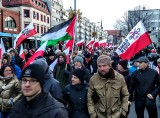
x,y
75,31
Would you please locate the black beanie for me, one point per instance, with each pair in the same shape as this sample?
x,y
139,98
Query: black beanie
x,y
124,63
36,71
79,73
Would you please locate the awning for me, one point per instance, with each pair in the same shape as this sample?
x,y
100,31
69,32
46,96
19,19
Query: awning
x,y
5,34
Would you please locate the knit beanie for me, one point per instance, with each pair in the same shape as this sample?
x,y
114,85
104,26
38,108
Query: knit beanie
x,y
78,59
104,59
36,71
124,63
79,73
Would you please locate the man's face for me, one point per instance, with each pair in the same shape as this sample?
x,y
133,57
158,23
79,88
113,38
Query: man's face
x,y
103,68
61,59
30,87
75,80
143,65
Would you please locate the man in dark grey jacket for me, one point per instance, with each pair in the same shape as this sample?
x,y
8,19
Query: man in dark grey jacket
x,y
36,102
145,82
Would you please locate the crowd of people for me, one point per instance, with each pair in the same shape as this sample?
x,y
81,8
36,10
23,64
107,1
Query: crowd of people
x,y
95,84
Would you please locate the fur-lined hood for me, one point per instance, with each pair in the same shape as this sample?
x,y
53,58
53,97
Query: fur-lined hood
x,y
7,56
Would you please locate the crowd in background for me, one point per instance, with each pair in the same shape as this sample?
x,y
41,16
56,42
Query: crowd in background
x,y
78,84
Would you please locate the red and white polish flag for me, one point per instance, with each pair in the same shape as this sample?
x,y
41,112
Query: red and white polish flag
x,y
103,43
90,43
80,43
21,53
40,52
136,40
27,32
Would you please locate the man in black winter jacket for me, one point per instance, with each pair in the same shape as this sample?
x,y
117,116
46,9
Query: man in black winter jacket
x,y
36,103
146,84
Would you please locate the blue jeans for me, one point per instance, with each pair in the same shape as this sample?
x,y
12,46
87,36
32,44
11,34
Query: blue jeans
x,y
150,105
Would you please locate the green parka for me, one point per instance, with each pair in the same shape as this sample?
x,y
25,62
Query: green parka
x,y
113,95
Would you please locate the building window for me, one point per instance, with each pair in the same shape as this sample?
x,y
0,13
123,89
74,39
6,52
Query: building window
x,y
37,16
34,14
26,24
26,13
48,20
44,18
37,28
44,29
41,29
10,22
41,17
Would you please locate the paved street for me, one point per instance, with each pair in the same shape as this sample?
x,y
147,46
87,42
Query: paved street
x,y
132,113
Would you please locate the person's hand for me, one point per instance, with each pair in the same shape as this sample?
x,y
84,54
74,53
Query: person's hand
x,y
129,102
150,96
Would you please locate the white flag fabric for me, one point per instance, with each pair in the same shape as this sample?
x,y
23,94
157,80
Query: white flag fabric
x,y
2,49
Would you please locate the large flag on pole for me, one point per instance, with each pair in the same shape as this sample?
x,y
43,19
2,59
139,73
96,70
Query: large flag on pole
x,y
2,49
40,52
27,32
61,32
136,40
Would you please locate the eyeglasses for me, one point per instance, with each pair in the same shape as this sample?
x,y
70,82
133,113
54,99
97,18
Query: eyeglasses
x,y
32,81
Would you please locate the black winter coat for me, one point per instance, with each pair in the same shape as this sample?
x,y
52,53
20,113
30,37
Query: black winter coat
x,y
76,95
143,82
52,85
42,106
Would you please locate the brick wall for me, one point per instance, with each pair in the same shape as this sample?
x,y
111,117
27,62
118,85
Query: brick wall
x,y
8,13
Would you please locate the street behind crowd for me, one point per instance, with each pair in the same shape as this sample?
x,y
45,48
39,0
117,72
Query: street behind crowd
x,y
132,113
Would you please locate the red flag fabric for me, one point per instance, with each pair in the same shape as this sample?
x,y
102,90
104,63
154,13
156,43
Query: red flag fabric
x,y
66,51
24,34
96,44
39,52
69,44
136,40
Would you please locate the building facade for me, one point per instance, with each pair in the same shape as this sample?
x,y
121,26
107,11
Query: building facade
x,y
58,13
151,20
30,11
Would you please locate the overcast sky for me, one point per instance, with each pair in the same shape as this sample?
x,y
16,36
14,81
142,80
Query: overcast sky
x,y
108,11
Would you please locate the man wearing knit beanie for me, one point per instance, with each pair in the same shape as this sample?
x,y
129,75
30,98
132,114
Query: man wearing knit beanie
x,y
105,85
45,106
